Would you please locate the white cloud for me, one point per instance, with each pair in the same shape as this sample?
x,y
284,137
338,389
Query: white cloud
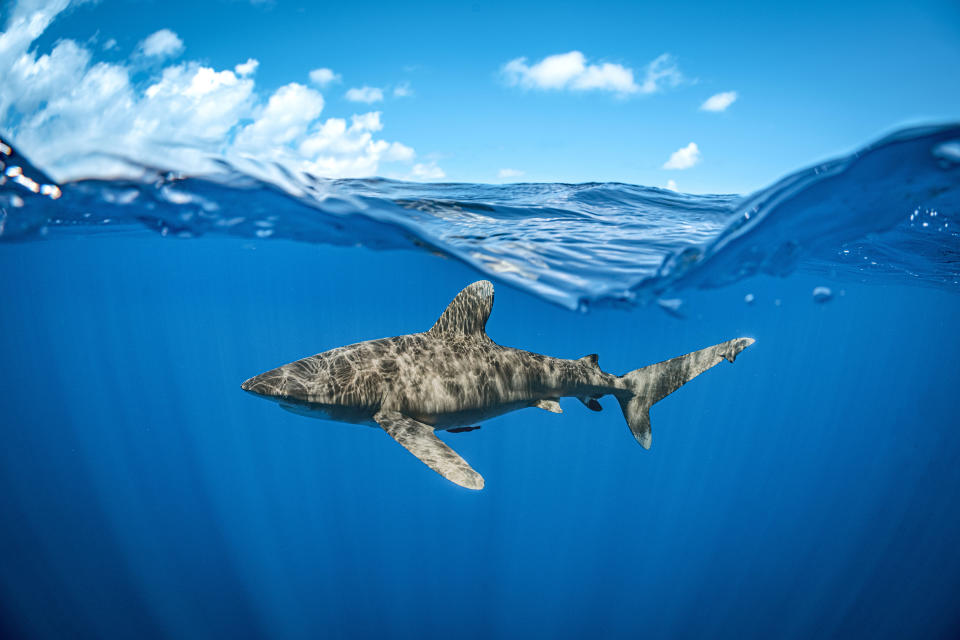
x,y
684,158
63,106
719,102
671,185
341,150
247,68
571,71
110,44
161,44
284,119
402,90
323,76
398,152
365,94
509,173
29,81
190,102
662,72
367,121
26,22
427,171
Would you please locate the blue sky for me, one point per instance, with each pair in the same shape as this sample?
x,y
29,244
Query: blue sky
x,y
811,80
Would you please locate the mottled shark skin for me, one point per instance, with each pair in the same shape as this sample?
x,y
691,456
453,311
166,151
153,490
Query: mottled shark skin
x,y
454,375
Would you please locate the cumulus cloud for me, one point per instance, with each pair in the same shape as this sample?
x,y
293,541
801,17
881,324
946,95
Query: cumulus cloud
x,y
399,152
30,80
365,94
161,44
509,173
367,121
189,102
402,90
323,76
571,71
247,68
25,23
338,148
427,171
62,105
683,158
719,101
285,118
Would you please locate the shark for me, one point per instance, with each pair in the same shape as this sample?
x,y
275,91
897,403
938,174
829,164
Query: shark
x,y
453,376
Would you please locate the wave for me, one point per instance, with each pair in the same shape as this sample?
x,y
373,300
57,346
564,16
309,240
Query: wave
x,y
889,212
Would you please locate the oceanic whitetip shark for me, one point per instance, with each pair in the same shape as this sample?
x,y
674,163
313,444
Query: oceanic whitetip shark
x,y
454,376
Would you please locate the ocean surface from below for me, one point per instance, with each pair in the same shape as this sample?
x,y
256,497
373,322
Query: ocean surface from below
x,y
887,213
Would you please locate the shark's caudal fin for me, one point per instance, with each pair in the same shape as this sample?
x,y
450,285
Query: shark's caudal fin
x,y
644,387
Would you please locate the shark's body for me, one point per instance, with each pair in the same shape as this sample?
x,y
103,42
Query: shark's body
x,y
454,375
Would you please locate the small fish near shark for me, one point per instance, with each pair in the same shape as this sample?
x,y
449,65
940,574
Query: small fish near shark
x,y
454,376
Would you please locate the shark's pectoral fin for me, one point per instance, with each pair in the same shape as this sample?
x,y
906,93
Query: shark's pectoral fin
x,y
420,440
548,404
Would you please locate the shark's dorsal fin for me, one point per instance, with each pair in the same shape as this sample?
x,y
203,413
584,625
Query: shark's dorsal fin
x,y
468,313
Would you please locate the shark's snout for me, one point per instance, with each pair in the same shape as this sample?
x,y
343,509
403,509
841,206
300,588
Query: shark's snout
x,y
284,382
260,385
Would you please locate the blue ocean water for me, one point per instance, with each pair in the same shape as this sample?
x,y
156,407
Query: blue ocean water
x,y
811,489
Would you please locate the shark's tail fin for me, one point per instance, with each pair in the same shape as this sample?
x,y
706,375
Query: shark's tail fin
x,y
646,386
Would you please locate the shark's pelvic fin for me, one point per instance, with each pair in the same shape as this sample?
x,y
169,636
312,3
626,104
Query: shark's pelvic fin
x,y
591,403
651,384
468,313
420,440
548,404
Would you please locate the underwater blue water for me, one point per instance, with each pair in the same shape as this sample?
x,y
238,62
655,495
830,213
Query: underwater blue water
x,y
811,489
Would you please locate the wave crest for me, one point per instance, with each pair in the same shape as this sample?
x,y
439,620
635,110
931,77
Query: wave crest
x,y
888,212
